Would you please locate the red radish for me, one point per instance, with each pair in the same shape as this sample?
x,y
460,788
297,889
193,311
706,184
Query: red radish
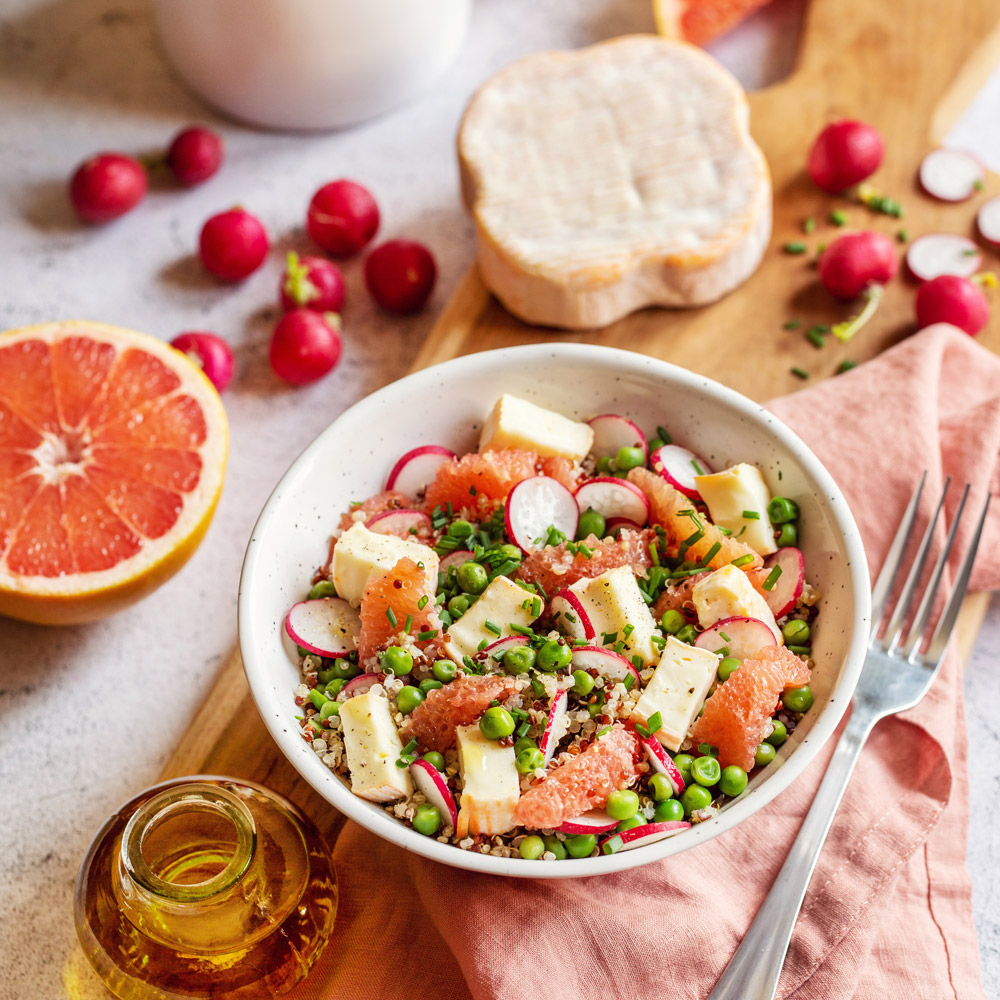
x,y
342,217
613,432
743,637
305,346
327,626
400,275
455,559
596,821
988,222
573,619
612,525
844,154
536,504
400,522
787,590
430,782
412,473
556,726
106,186
195,154
210,353
951,299
311,281
648,833
607,663
854,261
662,763
233,244
943,253
495,650
612,497
678,466
362,684
951,174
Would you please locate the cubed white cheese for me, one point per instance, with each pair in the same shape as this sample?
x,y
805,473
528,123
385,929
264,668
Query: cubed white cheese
x,y
731,493
727,593
360,552
516,423
676,690
373,747
500,603
613,601
492,787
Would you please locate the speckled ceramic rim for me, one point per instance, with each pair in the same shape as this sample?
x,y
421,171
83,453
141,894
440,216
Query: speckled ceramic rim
x,y
277,713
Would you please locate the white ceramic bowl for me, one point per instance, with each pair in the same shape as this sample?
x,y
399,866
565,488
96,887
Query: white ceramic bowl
x,y
446,405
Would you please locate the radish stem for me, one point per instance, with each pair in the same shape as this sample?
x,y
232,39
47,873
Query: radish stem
x,y
846,330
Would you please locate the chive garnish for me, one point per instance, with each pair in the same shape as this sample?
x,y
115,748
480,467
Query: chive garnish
x,y
710,554
492,627
697,468
654,723
743,560
808,225
409,624
772,578
663,435
637,663
846,365
422,603
612,844
795,248
724,637
838,217
791,324
391,616
815,337
752,515
483,643
800,373
429,634
902,235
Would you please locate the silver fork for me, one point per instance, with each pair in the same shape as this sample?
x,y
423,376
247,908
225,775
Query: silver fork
x,y
897,673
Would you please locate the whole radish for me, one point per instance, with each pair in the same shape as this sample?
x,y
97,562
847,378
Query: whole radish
x,y
233,244
951,299
195,154
107,186
400,275
210,353
342,217
305,346
844,154
855,260
313,282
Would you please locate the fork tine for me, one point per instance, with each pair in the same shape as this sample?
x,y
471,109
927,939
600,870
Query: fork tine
x,y
935,651
883,586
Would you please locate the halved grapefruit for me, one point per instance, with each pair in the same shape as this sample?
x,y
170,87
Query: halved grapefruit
x,y
112,454
699,21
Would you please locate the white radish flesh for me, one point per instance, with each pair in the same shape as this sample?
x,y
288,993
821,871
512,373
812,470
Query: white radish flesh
x,y
787,589
612,497
648,833
951,174
328,626
607,663
533,506
613,432
403,523
988,221
430,782
678,466
362,683
495,650
943,253
556,726
456,559
571,616
613,525
662,763
744,638
412,473
595,821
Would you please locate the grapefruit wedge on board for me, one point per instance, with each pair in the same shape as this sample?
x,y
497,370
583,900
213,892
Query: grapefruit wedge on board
x,y
112,455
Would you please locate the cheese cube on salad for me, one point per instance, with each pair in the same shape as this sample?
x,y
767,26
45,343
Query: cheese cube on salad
x,y
503,603
515,423
613,602
492,787
360,552
373,746
728,593
737,499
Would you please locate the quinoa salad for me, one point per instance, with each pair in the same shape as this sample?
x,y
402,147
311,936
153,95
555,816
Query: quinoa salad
x,y
574,641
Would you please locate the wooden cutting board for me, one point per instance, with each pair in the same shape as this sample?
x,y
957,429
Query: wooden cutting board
x,y
907,66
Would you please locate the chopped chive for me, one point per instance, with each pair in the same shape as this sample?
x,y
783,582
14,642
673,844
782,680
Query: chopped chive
x,y
800,650
791,324
977,184
637,663
483,643
724,651
654,553
772,578
585,550
800,373
536,607
808,225
642,730
658,640
697,468
846,365
422,603
743,560
523,729
537,686
663,435
570,617
724,637
838,217
752,515
708,750
795,248
521,629
710,554
409,624
725,531
973,252
815,337
391,615
612,844
902,235
628,630
431,633
654,723
492,627
608,638
473,491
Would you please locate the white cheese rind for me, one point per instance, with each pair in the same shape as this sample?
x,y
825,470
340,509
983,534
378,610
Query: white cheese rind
x,y
731,492
372,744
500,603
491,784
517,423
360,552
676,690
728,593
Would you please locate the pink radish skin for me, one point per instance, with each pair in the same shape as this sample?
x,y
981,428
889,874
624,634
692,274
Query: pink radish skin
x,y
951,174
400,522
596,821
555,726
844,154
648,833
456,559
854,261
951,299
327,626
607,663
534,505
612,497
785,594
676,465
943,253
501,646
573,619
613,432
747,637
210,353
362,683
412,473
430,782
988,222
613,525
661,763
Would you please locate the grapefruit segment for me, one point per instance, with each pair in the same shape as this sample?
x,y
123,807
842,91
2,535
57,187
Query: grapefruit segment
x,y
26,383
434,721
80,366
478,481
699,21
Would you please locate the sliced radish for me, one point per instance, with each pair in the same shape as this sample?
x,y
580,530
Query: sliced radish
x,y
613,525
951,174
784,595
430,782
607,663
678,466
536,504
455,559
500,647
595,821
362,683
662,763
556,726
988,221
412,473
943,253
743,637
648,833
400,522
572,618
328,626
613,432
612,497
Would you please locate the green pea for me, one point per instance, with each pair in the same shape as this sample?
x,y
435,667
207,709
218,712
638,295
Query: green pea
x,y
733,781
603,465
595,709
553,656
727,667
324,588
528,760
591,523
581,845
683,762
556,846
472,578
695,797
669,811
583,683
427,819
396,660
458,605
655,443
688,634
408,698
622,804
329,709
798,699
524,743
531,848
444,670
781,510
461,529
507,552
629,458
429,684
519,659
334,687
765,754
778,735
631,823
706,771
344,669
672,621
795,631
660,787
788,535
496,723
436,759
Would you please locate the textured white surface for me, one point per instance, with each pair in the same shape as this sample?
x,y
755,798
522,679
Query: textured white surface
x,y
88,715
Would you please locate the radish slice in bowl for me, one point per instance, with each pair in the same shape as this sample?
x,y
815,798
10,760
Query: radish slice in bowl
x,y
612,497
430,782
951,174
943,253
613,432
640,836
362,683
328,626
613,525
661,763
456,559
678,466
573,619
988,221
536,504
500,647
743,637
607,663
595,821
402,522
787,590
417,468
556,726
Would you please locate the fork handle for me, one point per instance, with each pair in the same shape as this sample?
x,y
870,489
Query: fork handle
x,y
753,971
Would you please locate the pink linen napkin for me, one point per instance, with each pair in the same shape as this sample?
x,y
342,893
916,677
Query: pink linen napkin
x,y
888,912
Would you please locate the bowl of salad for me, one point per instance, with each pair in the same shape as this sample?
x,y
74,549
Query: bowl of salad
x,y
553,610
